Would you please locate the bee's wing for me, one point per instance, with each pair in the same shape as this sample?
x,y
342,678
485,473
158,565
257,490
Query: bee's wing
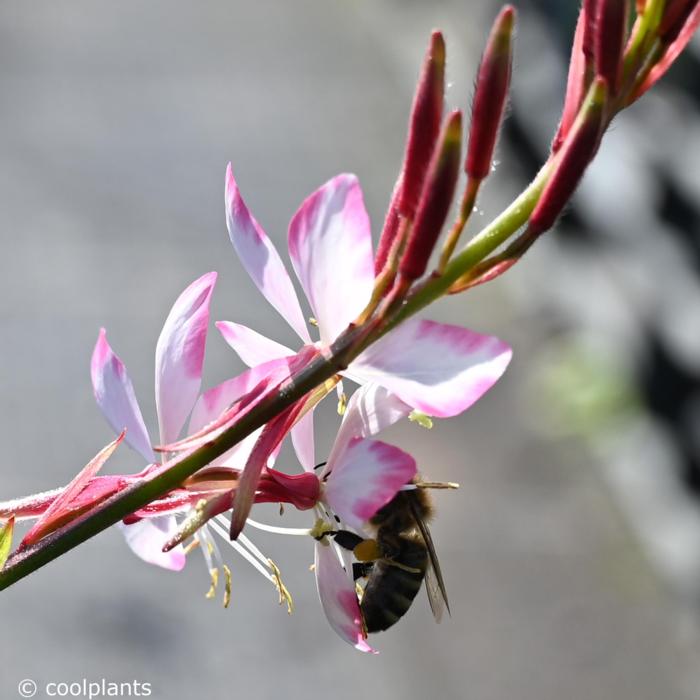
x,y
434,583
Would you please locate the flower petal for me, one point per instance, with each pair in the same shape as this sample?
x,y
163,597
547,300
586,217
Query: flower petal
x,y
365,477
261,260
371,409
336,591
330,244
147,537
115,397
252,347
180,356
436,368
303,440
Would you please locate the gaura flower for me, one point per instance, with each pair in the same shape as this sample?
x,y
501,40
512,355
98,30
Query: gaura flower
x,y
178,377
435,368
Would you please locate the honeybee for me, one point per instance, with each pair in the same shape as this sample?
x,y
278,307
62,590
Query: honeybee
x,y
398,559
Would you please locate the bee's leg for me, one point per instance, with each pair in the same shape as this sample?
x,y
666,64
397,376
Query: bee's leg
x,y
346,539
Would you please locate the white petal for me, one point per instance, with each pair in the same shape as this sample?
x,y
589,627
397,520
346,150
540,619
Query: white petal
x,y
436,368
330,244
252,347
115,397
147,537
261,260
336,590
371,409
180,357
365,477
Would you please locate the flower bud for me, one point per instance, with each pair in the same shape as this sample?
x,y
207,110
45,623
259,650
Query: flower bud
x,y
436,199
391,227
588,17
492,82
610,32
576,153
575,84
676,13
424,125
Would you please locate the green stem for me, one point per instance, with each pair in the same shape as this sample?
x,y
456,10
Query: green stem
x,y
482,245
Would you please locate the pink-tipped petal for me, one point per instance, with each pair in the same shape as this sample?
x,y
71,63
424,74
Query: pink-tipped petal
x,y
303,440
261,260
365,477
330,245
146,539
115,397
180,356
370,410
336,591
252,347
436,368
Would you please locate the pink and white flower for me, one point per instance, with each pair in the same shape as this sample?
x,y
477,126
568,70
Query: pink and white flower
x,y
438,369
178,377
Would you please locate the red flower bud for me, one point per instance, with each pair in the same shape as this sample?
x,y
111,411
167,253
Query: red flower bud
x,y
492,82
610,33
675,47
588,15
578,150
435,202
423,125
676,13
575,84
391,227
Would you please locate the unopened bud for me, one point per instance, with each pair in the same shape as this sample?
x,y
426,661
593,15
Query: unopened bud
x,y
610,33
436,199
575,84
676,13
492,82
423,125
391,228
588,15
576,153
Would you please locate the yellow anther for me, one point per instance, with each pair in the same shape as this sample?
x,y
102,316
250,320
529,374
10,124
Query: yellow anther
x,y
284,594
214,573
424,420
320,529
359,591
227,586
313,321
342,403
312,568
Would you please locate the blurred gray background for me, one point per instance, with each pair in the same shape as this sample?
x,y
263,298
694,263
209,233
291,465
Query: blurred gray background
x,y
570,574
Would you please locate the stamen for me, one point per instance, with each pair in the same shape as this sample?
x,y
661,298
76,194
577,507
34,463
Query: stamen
x,y
342,403
241,550
437,485
285,595
297,531
214,573
320,529
422,419
191,546
227,586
